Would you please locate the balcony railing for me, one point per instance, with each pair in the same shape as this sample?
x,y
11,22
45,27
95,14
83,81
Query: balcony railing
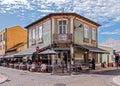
x,y
62,38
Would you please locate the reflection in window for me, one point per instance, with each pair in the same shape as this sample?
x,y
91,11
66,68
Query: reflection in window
x,y
40,32
93,34
86,31
33,33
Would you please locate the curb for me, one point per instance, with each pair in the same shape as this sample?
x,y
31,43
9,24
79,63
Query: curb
x,y
3,78
116,80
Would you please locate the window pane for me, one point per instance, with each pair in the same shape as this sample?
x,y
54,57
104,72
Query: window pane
x,y
93,34
3,36
86,31
30,35
62,27
33,33
60,22
64,22
40,32
37,32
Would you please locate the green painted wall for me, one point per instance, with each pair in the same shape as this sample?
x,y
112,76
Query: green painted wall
x,y
47,32
105,56
79,33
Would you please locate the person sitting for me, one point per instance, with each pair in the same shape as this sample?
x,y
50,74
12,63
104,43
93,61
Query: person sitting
x,y
33,67
43,67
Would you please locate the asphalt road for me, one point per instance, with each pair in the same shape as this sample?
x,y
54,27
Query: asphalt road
x,y
25,78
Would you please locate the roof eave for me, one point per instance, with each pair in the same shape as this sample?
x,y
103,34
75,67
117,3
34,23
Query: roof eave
x,y
51,14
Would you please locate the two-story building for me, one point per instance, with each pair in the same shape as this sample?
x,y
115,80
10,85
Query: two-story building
x,y
12,40
73,36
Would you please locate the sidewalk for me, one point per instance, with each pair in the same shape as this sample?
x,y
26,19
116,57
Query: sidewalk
x,y
116,80
3,78
100,70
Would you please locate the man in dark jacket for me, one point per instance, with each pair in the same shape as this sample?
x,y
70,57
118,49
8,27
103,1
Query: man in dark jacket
x,y
35,56
93,63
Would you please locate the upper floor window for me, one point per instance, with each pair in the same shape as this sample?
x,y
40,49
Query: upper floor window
x,y
3,46
0,38
3,36
30,34
39,33
93,34
0,47
33,33
62,26
86,31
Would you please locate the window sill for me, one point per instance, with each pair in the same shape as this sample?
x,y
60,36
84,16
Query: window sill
x,y
86,40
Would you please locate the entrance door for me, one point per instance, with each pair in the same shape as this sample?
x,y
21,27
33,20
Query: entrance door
x,y
85,58
64,56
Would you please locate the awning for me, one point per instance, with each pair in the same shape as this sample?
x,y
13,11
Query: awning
x,y
9,56
28,51
51,52
62,49
93,49
1,56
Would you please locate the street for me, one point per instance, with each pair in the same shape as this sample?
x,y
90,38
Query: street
x,y
26,78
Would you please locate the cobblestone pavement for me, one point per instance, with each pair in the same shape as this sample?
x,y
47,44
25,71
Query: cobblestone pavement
x,y
25,78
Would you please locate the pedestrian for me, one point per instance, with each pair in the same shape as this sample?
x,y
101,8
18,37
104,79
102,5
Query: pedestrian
x,y
35,56
93,63
117,60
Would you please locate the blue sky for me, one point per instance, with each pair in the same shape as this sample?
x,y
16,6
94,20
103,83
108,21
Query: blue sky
x,y
24,12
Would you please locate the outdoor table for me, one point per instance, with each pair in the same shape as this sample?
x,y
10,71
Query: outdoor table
x,y
22,67
4,64
28,66
49,68
76,68
16,65
11,65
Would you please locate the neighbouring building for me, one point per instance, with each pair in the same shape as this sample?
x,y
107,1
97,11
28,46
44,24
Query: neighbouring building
x,y
106,58
72,36
118,52
13,40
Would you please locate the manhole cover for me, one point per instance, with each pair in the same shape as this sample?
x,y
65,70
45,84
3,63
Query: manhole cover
x,y
60,84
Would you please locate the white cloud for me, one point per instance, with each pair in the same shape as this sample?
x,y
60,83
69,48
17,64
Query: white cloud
x,y
15,4
115,32
97,10
46,11
113,43
117,18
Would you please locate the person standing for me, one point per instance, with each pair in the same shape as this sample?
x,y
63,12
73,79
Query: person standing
x,y
35,56
93,63
117,60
